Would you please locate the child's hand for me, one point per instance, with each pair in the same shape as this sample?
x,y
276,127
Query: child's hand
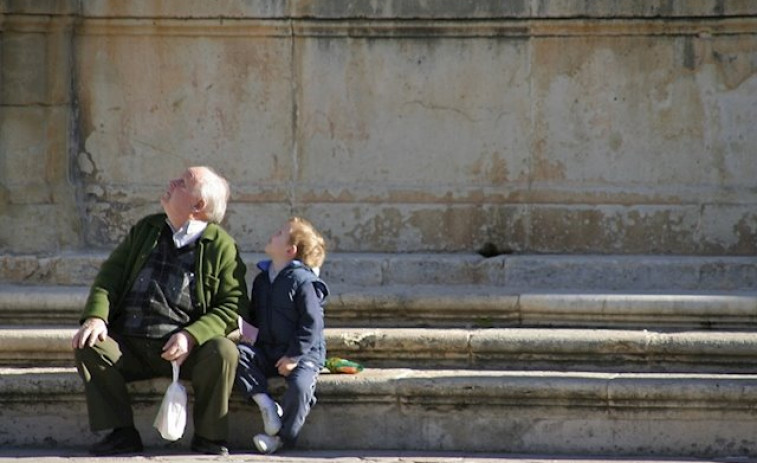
x,y
286,365
248,333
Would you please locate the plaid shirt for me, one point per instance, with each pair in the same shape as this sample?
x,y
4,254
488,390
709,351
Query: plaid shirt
x,y
159,302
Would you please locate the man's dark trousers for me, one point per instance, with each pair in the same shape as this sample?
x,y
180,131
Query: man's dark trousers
x,y
109,365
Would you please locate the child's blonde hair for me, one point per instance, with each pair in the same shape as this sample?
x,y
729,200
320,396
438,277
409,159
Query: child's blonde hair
x,y
311,247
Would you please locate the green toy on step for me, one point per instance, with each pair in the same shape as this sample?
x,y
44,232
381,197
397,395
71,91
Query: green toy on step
x,y
340,365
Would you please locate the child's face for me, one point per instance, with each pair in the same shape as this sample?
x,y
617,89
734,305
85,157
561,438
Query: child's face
x,y
278,246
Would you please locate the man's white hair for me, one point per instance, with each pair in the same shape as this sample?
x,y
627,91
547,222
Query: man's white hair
x,y
214,190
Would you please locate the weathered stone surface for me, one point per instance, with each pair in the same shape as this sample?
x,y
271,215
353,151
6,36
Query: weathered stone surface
x,y
232,114
36,57
230,9
584,273
39,226
406,9
24,69
557,127
33,171
540,412
459,306
39,7
37,201
607,350
679,131
652,8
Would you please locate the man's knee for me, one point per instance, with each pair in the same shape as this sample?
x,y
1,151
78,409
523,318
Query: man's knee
x,y
96,354
84,359
82,354
93,360
221,350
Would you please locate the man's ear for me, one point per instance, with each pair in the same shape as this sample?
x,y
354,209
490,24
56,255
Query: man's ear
x,y
198,211
199,206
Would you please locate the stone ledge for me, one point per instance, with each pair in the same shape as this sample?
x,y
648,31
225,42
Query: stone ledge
x,y
397,28
539,412
573,389
389,9
488,349
461,306
524,272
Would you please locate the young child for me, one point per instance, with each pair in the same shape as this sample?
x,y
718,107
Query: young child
x,y
287,309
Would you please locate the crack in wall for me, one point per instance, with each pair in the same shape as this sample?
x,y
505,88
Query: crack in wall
x,y
295,88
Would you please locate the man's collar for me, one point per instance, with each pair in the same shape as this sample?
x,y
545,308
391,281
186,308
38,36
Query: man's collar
x,y
188,233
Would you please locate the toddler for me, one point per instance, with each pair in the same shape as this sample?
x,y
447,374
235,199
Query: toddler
x,y
287,310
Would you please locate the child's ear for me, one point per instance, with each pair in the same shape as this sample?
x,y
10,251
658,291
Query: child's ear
x,y
292,251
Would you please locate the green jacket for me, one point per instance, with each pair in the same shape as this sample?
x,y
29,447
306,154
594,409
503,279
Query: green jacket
x,y
221,287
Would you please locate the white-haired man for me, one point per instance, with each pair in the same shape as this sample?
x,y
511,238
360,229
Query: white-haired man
x,y
170,291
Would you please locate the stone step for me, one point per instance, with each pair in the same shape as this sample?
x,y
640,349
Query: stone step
x,y
586,272
525,412
488,306
461,306
508,348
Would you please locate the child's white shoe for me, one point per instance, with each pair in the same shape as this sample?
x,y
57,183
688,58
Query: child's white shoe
x,y
267,444
271,413
271,418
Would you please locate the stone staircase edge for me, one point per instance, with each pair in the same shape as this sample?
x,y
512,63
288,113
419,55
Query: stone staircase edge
x,y
514,270
581,388
488,349
48,294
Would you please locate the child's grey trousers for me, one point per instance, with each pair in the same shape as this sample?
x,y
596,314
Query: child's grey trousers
x,y
255,367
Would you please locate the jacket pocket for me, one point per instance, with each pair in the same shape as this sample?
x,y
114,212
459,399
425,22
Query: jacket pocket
x,y
210,289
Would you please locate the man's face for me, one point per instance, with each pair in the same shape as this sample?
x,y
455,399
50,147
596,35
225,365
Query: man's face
x,y
182,198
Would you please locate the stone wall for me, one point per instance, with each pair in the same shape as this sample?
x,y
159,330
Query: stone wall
x,y
534,126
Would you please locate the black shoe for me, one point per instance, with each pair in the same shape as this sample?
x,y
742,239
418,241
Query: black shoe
x,y
121,440
209,447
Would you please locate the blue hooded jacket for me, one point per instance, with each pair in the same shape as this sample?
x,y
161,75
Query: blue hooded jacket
x,y
289,312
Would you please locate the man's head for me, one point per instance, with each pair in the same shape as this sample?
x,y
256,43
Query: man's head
x,y
199,193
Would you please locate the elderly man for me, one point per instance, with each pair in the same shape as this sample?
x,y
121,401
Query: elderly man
x,y
170,291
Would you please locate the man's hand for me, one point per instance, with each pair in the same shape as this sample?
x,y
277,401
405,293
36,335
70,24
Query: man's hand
x,y
92,330
178,347
285,365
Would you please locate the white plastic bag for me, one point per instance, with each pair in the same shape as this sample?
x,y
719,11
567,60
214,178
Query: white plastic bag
x,y
172,416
